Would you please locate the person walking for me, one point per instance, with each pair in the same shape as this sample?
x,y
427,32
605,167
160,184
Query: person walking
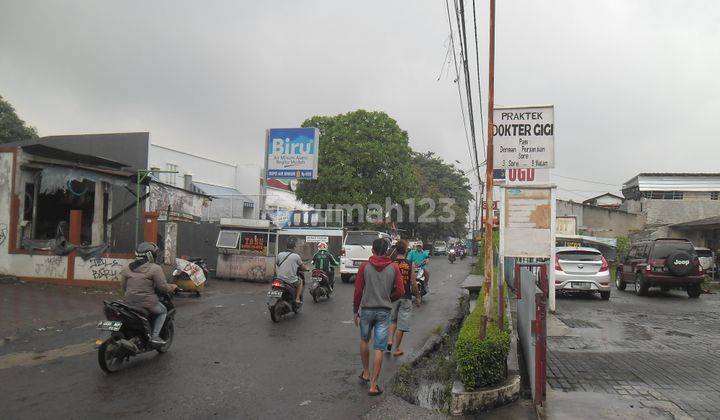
x,y
402,308
378,284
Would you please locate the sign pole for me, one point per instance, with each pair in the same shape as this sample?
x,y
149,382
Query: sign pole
x,y
489,280
263,189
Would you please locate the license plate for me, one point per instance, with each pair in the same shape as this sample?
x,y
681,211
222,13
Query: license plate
x,y
580,285
357,263
109,325
275,293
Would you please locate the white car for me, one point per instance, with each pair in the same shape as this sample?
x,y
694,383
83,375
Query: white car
x,y
582,270
357,248
440,248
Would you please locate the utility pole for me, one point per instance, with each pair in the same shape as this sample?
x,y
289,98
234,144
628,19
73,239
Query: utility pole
x,y
489,279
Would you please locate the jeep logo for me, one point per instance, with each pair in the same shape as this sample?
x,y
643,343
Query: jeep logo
x,y
682,262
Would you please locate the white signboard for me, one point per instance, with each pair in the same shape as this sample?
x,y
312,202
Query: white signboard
x,y
527,222
315,238
523,137
523,176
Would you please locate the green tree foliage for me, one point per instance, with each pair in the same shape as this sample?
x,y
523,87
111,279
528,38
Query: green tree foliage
x,y
439,181
364,158
12,128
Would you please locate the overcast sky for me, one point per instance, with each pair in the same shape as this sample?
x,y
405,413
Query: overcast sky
x,y
635,84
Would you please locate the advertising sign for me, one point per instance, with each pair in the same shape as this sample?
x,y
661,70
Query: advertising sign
x,y
524,137
256,242
292,153
527,222
566,225
317,238
521,176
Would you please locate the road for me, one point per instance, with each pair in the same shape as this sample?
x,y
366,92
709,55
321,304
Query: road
x,y
228,360
658,352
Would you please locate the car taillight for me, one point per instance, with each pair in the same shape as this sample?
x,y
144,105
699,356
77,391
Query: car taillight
x,y
342,252
604,266
557,263
276,283
699,266
648,267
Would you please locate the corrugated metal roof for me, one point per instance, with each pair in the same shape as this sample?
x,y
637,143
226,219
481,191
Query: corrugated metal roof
x,y
675,182
220,191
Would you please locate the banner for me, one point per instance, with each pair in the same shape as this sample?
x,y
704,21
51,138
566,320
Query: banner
x,y
292,153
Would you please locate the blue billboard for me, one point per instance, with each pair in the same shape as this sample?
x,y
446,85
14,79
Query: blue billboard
x,y
292,153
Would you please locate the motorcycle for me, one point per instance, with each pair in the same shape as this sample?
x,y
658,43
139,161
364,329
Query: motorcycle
x,y
451,256
421,279
281,299
462,253
126,332
322,286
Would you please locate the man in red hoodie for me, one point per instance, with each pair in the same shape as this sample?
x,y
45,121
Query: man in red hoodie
x,y
377,285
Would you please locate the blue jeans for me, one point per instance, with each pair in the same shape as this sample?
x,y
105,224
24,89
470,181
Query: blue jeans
x,y
377,321
160,313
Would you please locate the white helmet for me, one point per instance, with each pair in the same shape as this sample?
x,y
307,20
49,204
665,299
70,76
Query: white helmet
x,y
323,246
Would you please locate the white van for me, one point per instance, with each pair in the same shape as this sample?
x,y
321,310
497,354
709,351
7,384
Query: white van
x,y
357,248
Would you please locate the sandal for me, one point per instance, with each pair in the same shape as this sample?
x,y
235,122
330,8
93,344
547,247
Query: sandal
x,y
375,393
398,353
363,379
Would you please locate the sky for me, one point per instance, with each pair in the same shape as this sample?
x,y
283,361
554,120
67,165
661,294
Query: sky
x,y
634,83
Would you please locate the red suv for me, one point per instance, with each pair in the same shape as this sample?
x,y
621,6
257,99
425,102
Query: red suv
x,y
666,263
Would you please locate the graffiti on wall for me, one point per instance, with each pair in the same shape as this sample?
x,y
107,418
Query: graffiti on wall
x,y
53,266
105,268
3,233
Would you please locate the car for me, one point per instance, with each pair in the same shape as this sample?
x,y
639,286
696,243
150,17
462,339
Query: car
x,y
581,270
668,263
357,248
440,248
707,260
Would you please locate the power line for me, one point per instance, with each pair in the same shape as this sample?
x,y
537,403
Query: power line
x,y
466,70
477,66
457,81
586,180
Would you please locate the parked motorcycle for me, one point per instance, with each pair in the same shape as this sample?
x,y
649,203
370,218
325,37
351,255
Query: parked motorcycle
x,y
281,299
126,332
451,256
322,286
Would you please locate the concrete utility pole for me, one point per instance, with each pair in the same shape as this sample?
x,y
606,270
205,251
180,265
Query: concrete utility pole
x,y
489,280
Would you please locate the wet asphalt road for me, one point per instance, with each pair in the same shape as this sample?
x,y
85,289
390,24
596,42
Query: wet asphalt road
x,y
228,360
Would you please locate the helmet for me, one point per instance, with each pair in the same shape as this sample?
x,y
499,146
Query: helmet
x,y
147,250
323,246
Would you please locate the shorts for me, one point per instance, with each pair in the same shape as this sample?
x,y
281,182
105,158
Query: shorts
x,y
377,321
402,310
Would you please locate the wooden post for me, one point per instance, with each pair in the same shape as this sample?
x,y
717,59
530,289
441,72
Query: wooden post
x,y
488,285
74,236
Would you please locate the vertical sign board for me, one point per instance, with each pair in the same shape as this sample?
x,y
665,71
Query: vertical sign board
x,y
524,137
292,153
527,222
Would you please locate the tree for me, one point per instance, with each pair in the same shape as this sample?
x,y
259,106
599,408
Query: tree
x,y
444,192
12,128
364,159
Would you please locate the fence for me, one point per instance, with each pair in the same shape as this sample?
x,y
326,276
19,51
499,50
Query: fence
x,y
531,288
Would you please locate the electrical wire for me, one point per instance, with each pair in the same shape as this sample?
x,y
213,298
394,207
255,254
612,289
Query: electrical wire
x,y
585,180
477,66
466,70
457,81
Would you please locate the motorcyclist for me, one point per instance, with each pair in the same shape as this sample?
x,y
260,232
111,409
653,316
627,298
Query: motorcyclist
x,y
420,258
141,280
290,267
324,260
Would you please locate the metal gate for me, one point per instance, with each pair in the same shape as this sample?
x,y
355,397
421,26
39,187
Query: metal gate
x,y
531,286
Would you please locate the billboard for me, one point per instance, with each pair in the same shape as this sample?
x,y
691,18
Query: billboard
x,y
524,137
527,221
292,153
